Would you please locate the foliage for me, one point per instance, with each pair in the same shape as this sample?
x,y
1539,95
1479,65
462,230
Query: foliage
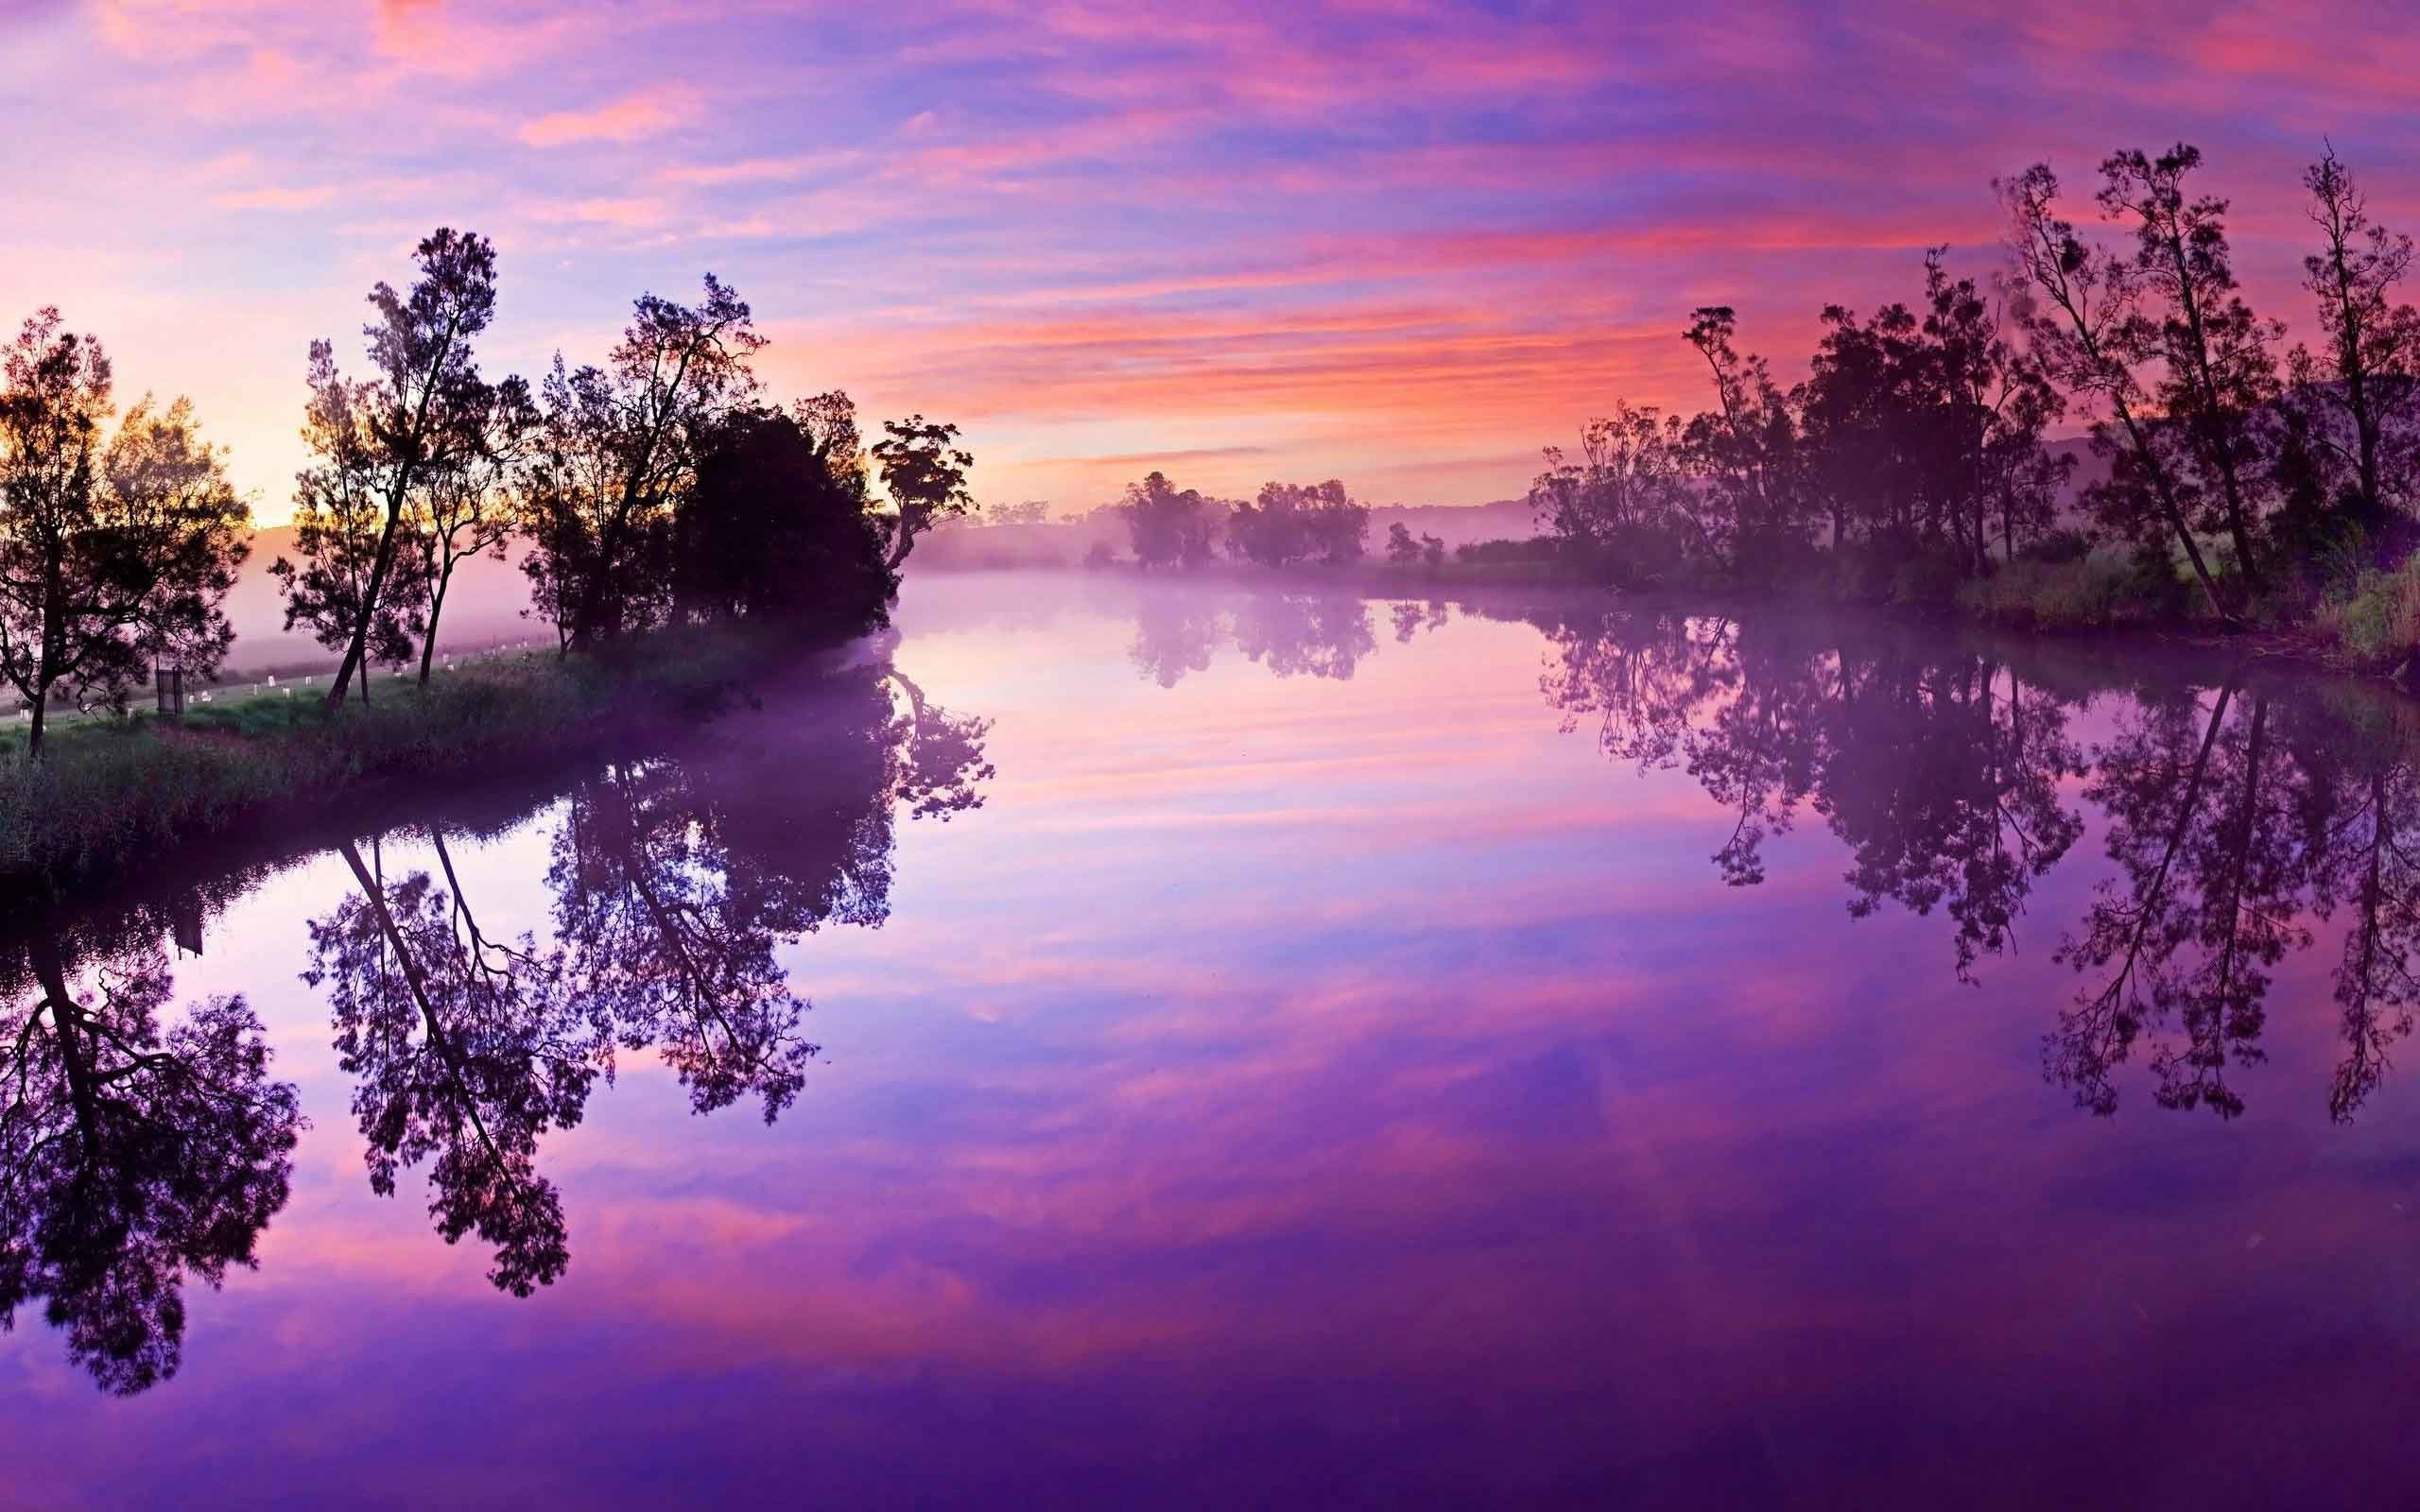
x,y
1169,527
113,553
1293,523
616,458
923,472
777,527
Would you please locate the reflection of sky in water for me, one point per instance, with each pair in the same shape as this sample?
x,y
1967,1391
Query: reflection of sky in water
x,y
1327,1088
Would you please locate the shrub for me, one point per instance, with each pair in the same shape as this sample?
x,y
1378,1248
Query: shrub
x,y
2378,622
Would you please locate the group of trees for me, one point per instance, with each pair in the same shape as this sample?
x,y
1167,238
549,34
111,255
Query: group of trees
x,y
2234,821
116,545
658,485
1916,443
1288,524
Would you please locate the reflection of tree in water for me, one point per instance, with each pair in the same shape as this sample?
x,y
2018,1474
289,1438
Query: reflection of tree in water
x,y
1322,635
464,1051
2234,824
1410,618
1940,774
676,882
1951,797
1174,634
2205,902
133,1155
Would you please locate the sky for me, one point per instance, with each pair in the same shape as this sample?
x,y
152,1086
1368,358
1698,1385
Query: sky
x,y
1401,242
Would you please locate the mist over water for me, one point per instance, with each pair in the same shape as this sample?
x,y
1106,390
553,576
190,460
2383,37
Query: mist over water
x,y
1207,1044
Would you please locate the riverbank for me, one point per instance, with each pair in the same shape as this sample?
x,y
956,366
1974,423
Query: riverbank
x,y
2366,626
109,796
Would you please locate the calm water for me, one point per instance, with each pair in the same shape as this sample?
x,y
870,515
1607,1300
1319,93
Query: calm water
x,y
1239,1047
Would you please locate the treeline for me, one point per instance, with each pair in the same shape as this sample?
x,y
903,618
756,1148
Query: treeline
x,y
2246,478
660,486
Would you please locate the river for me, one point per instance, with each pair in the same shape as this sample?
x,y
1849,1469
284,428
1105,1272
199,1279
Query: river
x,y
1121,1043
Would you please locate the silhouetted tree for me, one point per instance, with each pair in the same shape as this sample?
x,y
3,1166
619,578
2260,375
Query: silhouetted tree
x,y
378,441
115,553
2082,329
1744,452
133,1155
923,471
1171,528
340,528
2216,356
2366,370
778,528
616,458
468,506
1626,500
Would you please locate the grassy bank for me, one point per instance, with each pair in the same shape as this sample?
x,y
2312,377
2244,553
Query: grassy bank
x,y
109,795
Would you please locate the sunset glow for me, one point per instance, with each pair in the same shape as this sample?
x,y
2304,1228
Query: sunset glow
x,y
1401,242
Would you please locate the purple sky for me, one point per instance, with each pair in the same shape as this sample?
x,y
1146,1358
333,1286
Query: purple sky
x,y
1401,243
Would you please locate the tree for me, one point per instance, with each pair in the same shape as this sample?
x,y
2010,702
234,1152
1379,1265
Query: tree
x,y
133,1155
341,527
923,471
416,418
1170,526
1745,451
1293,522
2216,354
778,527
2082,307
111,555
616,458
1623,496
2367,368
467,509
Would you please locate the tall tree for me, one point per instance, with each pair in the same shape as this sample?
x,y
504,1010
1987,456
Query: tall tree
x,y
1746,449
467,508
341,527
2367,368
617,457
2084,303
112,554
418,416
2216,354
923,471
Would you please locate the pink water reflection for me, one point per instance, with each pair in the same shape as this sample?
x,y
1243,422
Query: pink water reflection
x,y
1301,1088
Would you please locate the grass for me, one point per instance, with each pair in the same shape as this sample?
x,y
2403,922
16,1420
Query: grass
x,y
109,792
2098,590
2375,618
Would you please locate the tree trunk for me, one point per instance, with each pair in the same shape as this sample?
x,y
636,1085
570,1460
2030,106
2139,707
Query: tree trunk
x,y
436,612
355,655
33,740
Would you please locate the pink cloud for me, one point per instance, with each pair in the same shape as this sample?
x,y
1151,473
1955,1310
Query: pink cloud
x,y
631,118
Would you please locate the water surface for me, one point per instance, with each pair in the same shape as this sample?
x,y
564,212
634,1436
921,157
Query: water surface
x,y
1207,1045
